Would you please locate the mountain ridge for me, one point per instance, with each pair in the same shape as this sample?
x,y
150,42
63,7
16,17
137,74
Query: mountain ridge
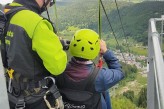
x,y
134,16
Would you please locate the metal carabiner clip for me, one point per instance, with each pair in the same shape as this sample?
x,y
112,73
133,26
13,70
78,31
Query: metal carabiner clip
x,y
57,105
51,78
46,78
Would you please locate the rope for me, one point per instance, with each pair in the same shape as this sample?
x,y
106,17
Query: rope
x,y
100,62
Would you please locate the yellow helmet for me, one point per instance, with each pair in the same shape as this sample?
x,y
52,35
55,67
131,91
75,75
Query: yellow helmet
x,y
85,44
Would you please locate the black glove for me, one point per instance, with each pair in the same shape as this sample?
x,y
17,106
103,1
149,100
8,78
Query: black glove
x,y
65,43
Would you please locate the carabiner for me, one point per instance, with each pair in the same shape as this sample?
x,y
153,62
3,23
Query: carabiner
x,y
46,78
48,103
51,78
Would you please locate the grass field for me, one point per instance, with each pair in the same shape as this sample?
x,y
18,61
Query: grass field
x,y
139,50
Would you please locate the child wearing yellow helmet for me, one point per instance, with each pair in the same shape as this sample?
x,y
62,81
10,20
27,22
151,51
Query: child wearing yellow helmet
x,y
83,85
85,44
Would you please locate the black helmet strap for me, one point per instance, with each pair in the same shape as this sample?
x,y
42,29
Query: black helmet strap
x,y
44,7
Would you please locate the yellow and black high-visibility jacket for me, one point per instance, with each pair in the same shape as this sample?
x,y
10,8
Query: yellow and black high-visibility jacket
x,y
33,49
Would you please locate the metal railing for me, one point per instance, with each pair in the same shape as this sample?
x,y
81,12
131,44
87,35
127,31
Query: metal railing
x,y
155,92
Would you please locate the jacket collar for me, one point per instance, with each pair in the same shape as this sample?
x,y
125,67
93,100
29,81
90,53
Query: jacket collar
x,y
30,4
81,62
78,71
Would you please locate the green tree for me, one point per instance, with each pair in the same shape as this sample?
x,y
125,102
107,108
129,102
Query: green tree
x,y
130,72
129,95
122,103
142,100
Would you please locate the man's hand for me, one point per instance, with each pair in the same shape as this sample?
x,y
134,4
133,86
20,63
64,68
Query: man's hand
x,y
65,43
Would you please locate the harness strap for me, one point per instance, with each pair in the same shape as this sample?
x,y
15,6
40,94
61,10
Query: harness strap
x,y
30,85
52,91
20,103
92,79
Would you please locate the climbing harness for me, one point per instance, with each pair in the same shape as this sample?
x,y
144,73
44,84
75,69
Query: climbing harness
x,y
81,95
47,87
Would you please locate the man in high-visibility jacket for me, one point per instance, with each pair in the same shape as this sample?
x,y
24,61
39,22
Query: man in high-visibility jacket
x,y
33,52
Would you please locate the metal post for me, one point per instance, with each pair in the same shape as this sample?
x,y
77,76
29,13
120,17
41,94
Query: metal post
x,y
151,85
162,24
155,94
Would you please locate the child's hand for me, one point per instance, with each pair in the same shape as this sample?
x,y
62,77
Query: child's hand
x,y
103,47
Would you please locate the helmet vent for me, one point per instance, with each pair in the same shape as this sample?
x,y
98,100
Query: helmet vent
x,y
78,40
90,42
82,49
75,45
96,41
92,48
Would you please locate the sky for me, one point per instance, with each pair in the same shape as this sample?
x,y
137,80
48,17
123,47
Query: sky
x,y
5,1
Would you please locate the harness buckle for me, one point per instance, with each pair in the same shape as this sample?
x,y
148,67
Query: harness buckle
x,y
20,104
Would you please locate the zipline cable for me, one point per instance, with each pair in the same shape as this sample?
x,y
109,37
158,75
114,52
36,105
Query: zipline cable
x,y
112,29
123,29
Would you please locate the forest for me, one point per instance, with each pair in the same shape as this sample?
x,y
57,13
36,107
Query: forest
x,y
135,17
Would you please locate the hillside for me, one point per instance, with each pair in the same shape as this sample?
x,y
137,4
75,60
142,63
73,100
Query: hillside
x,y
135,16
135,19
83,13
